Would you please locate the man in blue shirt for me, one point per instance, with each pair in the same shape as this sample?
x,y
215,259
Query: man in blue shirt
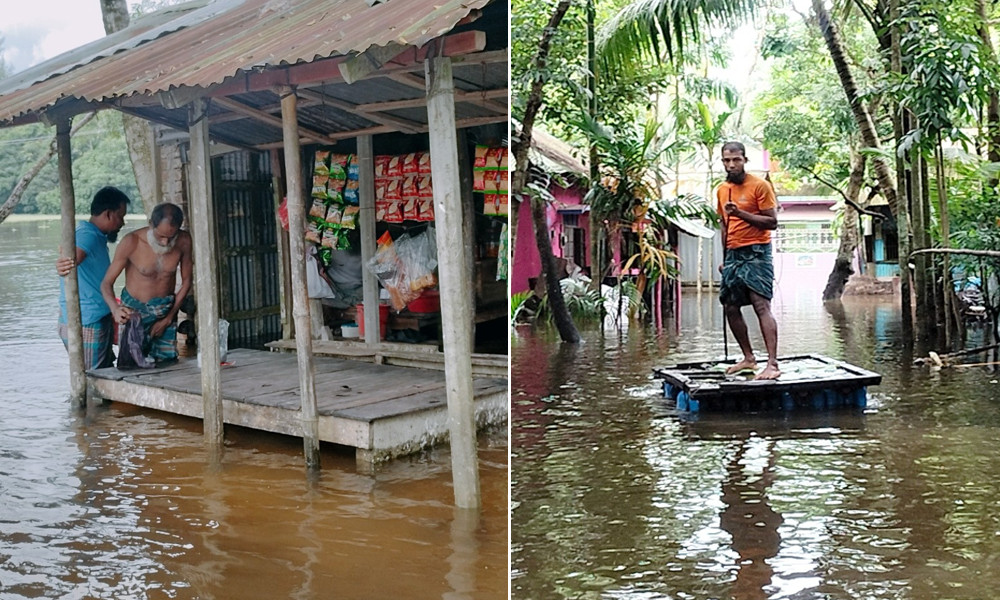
x,y
107,217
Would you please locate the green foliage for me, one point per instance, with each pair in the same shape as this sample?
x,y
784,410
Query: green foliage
x,y
100,158
688,206
516,300
582,302
973,207
950,72
804,116
649,30
626,90
630,161
654,260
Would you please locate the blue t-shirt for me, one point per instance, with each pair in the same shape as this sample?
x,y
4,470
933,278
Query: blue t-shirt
x,y
90,273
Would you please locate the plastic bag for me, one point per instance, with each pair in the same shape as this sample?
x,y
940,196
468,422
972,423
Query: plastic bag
x,y
385,265
316,285
405,267
283,213
419,257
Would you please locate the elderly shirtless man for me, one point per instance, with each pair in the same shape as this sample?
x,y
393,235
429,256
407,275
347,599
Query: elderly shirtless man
x,y
150,257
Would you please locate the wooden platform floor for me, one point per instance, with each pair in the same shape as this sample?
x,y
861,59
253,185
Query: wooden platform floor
x,y
381,411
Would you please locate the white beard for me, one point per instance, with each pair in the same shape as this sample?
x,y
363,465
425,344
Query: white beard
x,y
155,244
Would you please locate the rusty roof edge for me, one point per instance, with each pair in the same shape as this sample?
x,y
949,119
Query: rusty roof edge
x,y
146,28
58,78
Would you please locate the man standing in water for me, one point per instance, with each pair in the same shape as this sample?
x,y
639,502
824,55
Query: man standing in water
x,y
150,257
749,212
107,217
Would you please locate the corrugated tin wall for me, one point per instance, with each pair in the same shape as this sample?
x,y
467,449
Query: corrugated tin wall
x,y
248,242
688,251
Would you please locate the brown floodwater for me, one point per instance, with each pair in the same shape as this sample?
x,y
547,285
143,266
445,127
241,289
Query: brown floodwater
x,y
617,495
120,502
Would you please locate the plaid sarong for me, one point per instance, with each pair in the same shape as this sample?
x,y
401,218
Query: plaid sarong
x,y
97,341
163,347
746,269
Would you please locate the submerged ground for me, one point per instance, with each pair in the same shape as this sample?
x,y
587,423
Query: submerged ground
x,y
615,494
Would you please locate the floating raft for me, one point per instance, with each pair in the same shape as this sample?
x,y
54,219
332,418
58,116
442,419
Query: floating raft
x,y
809,381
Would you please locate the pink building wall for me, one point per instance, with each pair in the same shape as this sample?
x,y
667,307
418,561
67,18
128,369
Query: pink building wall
x,y
527,264
526,261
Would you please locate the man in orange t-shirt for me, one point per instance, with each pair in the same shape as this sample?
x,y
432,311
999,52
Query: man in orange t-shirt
x,y
749,212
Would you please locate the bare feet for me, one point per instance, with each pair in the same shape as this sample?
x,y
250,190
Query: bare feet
x,y
743,365
770,372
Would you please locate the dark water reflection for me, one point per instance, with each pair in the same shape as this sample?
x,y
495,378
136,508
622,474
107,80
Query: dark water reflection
x,y
119,502
616,495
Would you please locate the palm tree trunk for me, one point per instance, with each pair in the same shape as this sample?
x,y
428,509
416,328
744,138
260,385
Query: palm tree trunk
x,y
858,109
842,269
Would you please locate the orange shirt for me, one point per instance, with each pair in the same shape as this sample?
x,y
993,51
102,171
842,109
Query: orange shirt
x,y
754,195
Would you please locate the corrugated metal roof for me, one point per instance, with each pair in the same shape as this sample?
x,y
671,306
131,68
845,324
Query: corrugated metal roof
x,y
205,46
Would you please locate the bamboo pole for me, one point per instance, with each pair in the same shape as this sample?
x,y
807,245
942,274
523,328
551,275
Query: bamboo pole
x,y
300,293
366,218
456,312
989,253
202,221
74,321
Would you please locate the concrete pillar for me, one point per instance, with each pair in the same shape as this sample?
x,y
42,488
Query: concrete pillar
x,y
456,309
366,218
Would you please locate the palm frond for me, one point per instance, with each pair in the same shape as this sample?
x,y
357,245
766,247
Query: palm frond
x,y
643,26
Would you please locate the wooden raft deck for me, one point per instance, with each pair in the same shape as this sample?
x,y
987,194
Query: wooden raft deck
x,y
810,381
381,411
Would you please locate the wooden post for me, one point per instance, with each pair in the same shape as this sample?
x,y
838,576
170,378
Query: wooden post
x,y
366,218
297,259
206,284
74,322
284,277
456,311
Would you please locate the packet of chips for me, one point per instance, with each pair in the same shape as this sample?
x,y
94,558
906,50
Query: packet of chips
x,y
313,232
320,162
318,208
350,218
319,186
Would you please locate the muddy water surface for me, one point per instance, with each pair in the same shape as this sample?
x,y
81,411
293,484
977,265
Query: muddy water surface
x,y
616,495
119,502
